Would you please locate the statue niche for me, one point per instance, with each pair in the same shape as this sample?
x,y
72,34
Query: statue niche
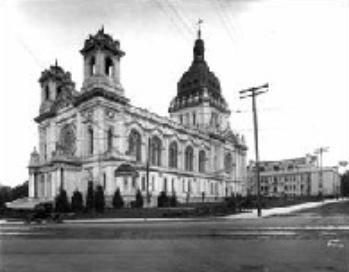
x,y
67,141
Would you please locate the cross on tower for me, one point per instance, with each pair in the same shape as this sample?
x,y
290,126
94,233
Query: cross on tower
x,y
200,21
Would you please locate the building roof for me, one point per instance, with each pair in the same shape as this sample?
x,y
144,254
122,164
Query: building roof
x,y
126,169
103,41
56,73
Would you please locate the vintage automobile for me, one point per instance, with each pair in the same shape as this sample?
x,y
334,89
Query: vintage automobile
x,y
32,210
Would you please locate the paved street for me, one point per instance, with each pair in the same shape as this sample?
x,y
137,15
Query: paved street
x,y
310,240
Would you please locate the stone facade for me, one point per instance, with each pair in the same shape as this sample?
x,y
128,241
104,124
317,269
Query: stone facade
x,y
294,177
96,136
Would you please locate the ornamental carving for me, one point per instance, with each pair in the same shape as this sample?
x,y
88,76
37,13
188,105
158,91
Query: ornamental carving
x,y
87,116
64,99
67,140
110,114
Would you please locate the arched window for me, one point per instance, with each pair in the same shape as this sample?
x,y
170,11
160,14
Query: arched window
x,y
47,93
228,163
109,139
189,158
202,161
92,66
62,179
104,181
173,185
108,68
155,151
59,91
172,155
135,145
165,185
90,141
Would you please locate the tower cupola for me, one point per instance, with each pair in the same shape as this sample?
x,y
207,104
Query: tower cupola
x,y
56,84
102,56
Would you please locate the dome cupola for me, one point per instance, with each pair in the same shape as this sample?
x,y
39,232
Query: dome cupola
x,y
198,84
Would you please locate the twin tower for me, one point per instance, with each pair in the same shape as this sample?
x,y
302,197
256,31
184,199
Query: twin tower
x,y
102,56
198,103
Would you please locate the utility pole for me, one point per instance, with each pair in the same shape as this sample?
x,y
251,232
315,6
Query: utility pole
x,y
320,151
253,92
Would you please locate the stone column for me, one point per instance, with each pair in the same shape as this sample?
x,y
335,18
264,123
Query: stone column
x,y
31,185
99,63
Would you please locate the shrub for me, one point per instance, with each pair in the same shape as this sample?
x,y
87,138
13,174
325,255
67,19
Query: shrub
x,y
5,195
61,202
90,197
139,199
118,202
231,202
19,191
248,202
99,199
76,202
163,200
173,200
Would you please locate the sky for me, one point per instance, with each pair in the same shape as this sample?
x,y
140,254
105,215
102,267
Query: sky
x,y
300,47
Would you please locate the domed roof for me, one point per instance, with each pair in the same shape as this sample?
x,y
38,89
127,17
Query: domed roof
x,y
103,41
56,73
198,84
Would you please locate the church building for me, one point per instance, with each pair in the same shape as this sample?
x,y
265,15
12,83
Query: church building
x,y
96,136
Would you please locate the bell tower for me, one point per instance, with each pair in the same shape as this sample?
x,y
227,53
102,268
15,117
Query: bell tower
x,y
55,83
102,56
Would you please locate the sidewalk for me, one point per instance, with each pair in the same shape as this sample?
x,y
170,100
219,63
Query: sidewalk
x,y
283,210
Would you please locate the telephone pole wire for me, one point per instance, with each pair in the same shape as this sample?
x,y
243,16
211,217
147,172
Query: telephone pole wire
x,y
253,92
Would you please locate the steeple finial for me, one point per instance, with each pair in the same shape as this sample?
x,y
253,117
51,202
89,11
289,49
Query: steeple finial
x,y
102,28
56,62
200,21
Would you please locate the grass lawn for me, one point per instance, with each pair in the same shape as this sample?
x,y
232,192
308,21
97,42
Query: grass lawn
x,y
268,203
203,210
331,209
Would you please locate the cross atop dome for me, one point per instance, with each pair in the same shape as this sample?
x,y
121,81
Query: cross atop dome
x,y
199,23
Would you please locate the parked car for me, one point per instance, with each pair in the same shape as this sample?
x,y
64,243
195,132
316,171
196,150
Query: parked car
x,y
41,212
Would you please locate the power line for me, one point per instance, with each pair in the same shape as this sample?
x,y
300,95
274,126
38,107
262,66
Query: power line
x,y
181,17
220,10
28,50
172,19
